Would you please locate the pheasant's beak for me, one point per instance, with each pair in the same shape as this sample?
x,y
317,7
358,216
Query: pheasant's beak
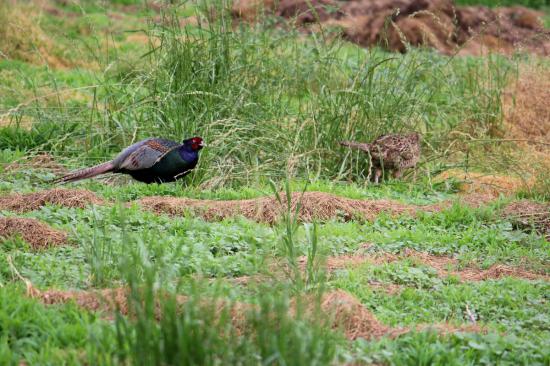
x,y
202,144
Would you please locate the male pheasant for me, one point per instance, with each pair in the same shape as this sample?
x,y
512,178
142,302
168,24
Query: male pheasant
x,y
153,160
393,152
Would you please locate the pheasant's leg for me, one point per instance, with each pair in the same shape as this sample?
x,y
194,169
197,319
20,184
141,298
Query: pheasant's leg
x,y
397,173
377,175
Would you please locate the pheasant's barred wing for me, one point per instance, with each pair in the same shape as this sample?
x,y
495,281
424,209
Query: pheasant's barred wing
x,y
146,154
408,152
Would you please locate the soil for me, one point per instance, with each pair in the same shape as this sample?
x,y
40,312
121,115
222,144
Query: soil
x,y
18,202
34,232
395,24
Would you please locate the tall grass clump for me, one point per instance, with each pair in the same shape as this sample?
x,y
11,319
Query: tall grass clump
x,y
160,327
312,278
269,101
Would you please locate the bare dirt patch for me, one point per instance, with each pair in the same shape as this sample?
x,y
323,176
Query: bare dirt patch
x,y
528,215
18,202
395,23
34,232
313,206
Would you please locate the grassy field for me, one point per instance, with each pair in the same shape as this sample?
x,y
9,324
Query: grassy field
x,y
435,274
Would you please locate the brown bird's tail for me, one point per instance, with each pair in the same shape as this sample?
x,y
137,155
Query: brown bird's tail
x,y
86,173
356,145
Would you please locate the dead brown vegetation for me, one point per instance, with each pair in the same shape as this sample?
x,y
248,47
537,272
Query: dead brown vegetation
x,y
313,206
34,232
42,161
22,38
106,300
491,185
395,23
526,107
444,266
19,202
527,215
343,311
355,321
346,312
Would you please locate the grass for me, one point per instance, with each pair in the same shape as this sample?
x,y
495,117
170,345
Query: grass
x,y
458,349
272,106
244,89
40,335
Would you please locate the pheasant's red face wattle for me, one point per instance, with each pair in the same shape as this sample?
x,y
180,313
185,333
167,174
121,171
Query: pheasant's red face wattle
x,y
197,143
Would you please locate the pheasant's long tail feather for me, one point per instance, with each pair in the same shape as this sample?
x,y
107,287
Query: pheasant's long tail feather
x,y
356,145
86,173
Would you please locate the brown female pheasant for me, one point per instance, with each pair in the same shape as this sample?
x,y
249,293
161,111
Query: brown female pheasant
x,y
392,152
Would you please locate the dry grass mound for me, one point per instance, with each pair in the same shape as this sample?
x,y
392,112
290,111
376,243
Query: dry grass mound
x,y
395,23
34,232
527,215
526,107
446,328
444,266
313,206
42,161
106,300
18,202
22,38
349,315
342,310
480,184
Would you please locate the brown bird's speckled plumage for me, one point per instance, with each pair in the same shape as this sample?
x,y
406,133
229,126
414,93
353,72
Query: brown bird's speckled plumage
x,y
392,152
